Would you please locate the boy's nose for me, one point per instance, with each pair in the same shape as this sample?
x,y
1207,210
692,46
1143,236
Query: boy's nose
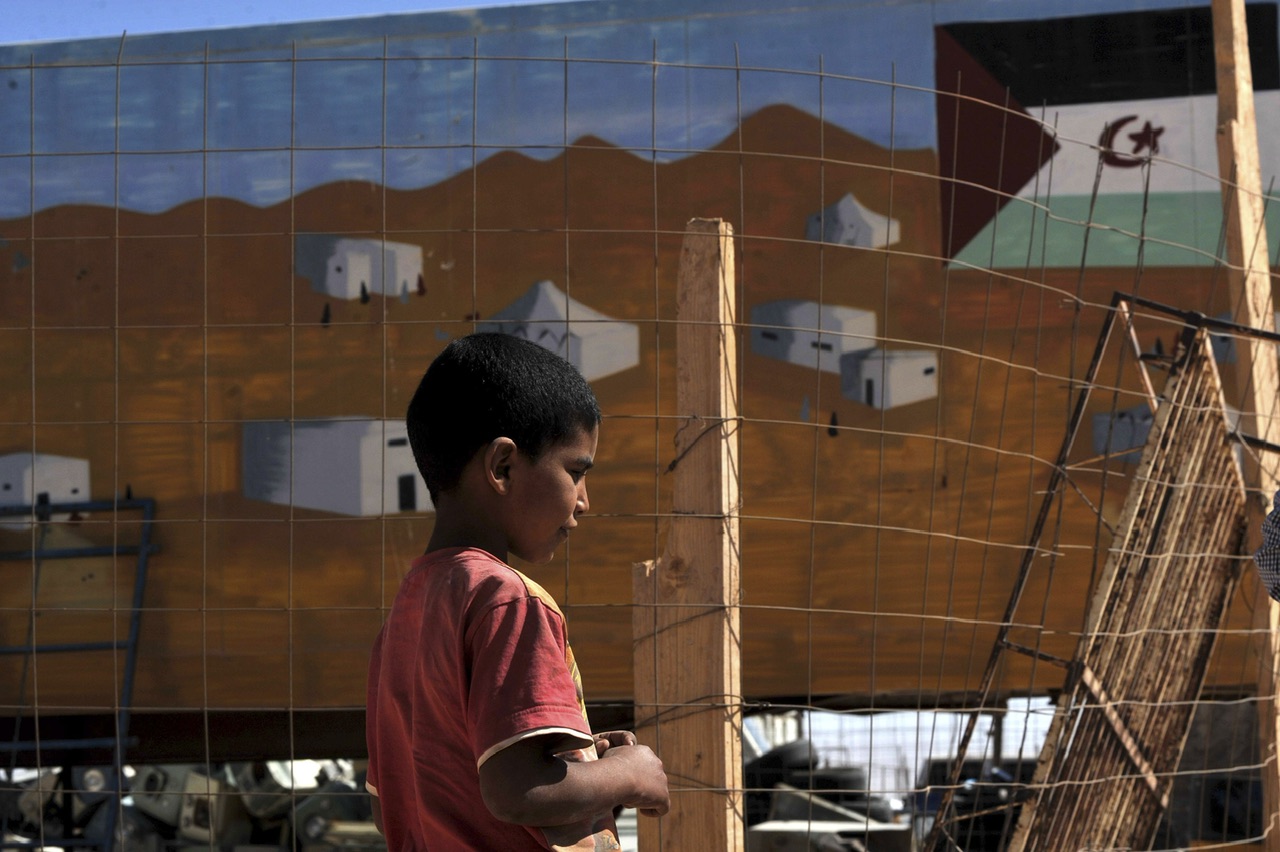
x,y
583,502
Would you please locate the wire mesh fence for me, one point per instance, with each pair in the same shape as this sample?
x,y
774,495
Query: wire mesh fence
x,y
224,264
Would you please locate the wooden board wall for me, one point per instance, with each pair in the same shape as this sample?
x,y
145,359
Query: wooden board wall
x,y
878,545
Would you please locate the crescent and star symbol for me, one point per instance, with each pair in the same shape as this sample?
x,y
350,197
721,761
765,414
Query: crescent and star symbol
x,y
1148,139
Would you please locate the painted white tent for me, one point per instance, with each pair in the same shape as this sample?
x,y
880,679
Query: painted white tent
x,y
1122,430
887,378
810,334
848,223
378,267
30,478
598,345
350,467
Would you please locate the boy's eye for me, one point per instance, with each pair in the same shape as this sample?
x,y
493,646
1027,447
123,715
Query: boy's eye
x,y
577,475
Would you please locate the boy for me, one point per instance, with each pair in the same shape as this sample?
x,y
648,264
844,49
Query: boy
x,y
477,732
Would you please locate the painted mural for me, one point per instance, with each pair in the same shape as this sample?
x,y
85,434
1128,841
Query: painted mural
x,y
227,256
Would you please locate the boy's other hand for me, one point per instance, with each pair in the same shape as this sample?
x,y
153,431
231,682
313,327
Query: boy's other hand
x,y
609,739
651,796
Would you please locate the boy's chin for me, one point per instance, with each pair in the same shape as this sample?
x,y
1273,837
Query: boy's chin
x,y
544,554
537,558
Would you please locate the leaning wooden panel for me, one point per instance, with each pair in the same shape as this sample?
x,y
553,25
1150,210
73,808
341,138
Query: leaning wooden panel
x,y
1105,772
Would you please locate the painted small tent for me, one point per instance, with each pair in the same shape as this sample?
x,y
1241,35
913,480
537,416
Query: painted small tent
x,y
1123,432
598,345
363,267
810,334
887,378
348,268
27,479
350,467
848,223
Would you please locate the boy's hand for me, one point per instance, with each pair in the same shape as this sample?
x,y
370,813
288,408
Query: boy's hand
x,y
651,796
609,739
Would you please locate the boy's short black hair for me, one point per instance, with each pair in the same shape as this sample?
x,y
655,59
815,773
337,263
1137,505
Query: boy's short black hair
x,y
490,385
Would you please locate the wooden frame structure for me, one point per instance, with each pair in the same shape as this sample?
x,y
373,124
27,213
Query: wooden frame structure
x,y
1128,696
1109,760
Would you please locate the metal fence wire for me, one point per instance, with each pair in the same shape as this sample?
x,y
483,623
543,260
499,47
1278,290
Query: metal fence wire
x,y
224,266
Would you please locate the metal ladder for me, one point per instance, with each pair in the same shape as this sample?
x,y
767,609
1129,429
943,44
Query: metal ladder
x,y
42,513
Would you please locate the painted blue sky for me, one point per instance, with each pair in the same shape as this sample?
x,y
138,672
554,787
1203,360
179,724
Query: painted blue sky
x,y
407,100
41,20
240,99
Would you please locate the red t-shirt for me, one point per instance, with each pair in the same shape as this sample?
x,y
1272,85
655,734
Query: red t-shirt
x,y
473,657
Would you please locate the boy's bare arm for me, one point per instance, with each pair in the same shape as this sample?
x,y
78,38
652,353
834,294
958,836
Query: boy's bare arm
x,y
527,784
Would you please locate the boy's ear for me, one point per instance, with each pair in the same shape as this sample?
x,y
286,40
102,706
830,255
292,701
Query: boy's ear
x,y
498,457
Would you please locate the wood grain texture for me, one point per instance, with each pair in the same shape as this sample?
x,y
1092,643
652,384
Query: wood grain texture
x,y
688,693
1249,279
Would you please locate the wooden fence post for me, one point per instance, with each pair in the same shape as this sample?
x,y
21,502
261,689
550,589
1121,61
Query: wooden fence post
x,y
687,652
1249,278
